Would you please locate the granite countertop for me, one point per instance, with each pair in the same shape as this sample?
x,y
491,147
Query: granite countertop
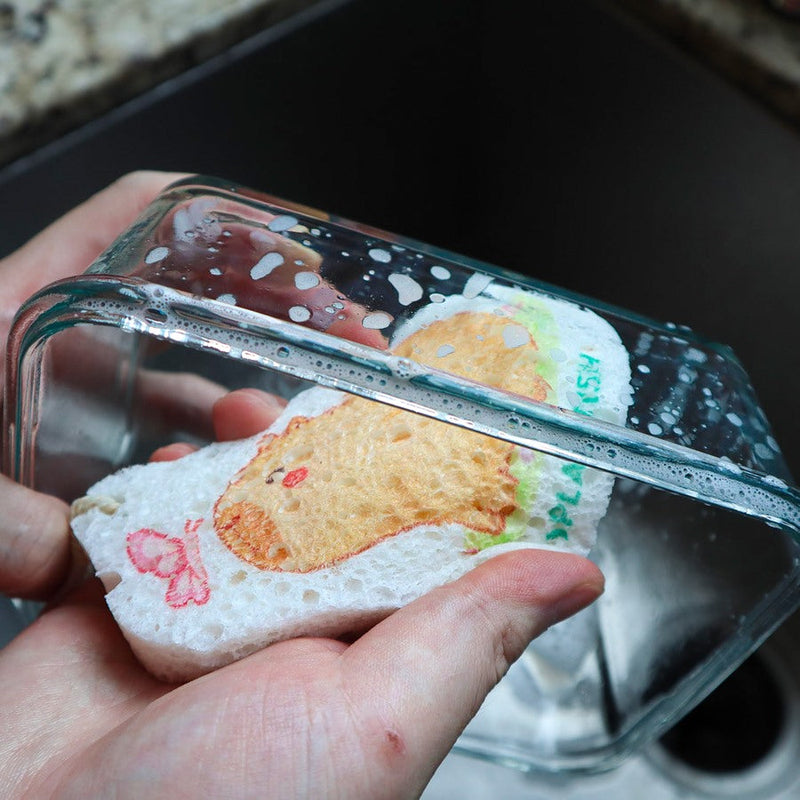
x,y
755,44
63,62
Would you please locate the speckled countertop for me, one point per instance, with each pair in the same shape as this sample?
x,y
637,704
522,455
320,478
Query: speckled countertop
x,y
63,62
753,43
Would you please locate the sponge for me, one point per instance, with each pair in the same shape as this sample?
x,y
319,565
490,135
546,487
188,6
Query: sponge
x,y
345,509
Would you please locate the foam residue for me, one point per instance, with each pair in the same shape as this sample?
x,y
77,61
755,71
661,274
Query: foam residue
x,y
653,461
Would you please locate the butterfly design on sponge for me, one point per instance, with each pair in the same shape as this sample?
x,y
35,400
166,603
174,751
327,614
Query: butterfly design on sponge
x,y
173,559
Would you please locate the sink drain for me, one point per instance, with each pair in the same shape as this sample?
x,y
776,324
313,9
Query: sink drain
x,y
736,727
741,743
743,739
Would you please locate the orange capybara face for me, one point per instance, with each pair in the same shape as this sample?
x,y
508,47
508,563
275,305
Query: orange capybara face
x,y
335,484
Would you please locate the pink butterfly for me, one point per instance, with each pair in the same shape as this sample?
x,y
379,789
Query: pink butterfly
x,y
175,559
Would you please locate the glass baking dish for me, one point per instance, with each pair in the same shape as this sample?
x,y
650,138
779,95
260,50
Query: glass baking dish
x,y
215,282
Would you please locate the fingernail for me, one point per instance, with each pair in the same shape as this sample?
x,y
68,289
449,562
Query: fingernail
x,y
576,598
263,399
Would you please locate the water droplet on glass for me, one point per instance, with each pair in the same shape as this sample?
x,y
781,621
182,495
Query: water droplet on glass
x,y
265,265
436,297
380,255
299,314
215,271
408,290
156,254
306,280
573,399
773,444
227,298
376,321
515,335
440,273
476,284
762,451
693,354
655,429
445,350
282,223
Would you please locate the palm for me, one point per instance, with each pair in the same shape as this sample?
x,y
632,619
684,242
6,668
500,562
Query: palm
x,y
303,718
110,722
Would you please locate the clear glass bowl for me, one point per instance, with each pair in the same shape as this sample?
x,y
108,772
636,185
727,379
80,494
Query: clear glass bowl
x,y
216,282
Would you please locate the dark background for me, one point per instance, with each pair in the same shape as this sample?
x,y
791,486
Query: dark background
x,y
577,148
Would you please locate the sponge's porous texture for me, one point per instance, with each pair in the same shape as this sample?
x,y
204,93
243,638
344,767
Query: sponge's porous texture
x,y
346,508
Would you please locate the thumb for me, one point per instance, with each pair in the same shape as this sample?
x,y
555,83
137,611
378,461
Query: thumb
x,y
437,658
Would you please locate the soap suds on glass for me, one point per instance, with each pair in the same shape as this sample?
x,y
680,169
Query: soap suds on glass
x,y
408,290
156,254
299,314
380,255
265,265
476,283
306,280
376,321
282,223
515,335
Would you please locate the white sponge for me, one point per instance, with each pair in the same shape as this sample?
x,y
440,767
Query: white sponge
x,y
346,509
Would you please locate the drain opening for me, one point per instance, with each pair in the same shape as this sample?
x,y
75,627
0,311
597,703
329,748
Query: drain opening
x,y
736,726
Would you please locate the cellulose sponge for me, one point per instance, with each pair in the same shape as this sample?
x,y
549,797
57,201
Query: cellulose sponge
x,y
346,509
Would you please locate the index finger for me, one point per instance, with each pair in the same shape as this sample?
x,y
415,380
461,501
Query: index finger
x,y
70,244
34,528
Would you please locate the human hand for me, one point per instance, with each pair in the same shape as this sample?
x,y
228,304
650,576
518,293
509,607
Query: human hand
x,y
309,717
33,535
34,528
